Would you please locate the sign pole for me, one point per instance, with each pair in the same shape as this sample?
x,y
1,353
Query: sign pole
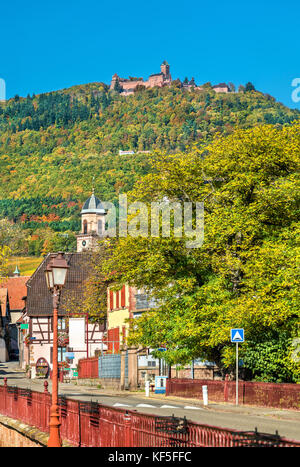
x,y
237,375
237,335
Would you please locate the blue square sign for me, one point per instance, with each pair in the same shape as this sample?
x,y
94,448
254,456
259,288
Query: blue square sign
x,y
237,335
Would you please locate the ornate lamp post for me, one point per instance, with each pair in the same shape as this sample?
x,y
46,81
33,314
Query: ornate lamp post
x,y
55,272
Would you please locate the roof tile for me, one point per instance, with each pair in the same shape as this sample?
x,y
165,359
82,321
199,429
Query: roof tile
x,y
39,299
17,290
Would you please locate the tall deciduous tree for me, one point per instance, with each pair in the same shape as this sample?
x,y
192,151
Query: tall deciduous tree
x,y
246,274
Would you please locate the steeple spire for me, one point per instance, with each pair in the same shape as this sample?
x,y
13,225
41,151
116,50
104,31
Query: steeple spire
x,y
92,223
93,185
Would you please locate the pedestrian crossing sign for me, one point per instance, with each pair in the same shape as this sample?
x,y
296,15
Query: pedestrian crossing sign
x,y
237,335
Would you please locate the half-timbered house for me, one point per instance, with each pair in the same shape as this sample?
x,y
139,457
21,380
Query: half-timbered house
x,y
77,338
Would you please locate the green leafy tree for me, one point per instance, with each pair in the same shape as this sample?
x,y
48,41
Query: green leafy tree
x,y
60,241
249,87
13,237
117,87
269,357
246,274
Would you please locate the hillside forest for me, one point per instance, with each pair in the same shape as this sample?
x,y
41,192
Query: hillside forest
x,y
53,145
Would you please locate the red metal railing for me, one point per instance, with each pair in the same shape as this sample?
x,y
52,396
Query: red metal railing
x,y
94,425
88,368
32,408
250,393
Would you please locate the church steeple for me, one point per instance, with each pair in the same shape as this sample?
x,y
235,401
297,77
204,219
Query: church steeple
x,y
92,223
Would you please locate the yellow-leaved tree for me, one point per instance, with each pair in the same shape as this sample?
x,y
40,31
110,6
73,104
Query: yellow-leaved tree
x,y
245,274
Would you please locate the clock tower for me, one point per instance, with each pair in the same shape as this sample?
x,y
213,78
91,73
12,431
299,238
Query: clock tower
x,y
92,224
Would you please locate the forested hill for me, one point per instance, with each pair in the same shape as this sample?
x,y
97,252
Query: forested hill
x,y
52,145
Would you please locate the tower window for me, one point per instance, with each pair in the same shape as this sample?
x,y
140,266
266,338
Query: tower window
x,y
100,227
84,226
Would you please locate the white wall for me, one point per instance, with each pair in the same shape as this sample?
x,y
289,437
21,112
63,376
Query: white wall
x,y
77,336
3,351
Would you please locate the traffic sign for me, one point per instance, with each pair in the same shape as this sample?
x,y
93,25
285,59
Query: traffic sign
x,y
70,355
237,335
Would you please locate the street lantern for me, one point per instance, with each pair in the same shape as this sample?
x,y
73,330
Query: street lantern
x,y
55,274
49,276
59,270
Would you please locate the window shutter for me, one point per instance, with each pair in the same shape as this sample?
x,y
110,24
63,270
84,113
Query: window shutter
x,y
111,300
123,296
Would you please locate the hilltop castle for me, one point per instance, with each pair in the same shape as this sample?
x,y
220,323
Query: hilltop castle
x,y
128,86
157,79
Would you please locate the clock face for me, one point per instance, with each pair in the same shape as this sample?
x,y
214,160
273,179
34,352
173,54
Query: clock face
x,y
83,243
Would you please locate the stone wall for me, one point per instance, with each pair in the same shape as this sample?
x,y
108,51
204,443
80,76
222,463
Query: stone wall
x,y
104,383
156,80
200,372
14,433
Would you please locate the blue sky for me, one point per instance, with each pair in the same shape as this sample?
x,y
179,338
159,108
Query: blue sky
x,y
53,45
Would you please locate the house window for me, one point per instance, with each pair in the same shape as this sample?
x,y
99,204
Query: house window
x,y
151,363
61,354
61,324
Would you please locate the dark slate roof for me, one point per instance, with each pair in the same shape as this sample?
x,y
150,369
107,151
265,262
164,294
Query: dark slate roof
x,y
93,205
156,74
39,299
221,85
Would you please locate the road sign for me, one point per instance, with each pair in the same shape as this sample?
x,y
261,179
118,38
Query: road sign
x,y
70,355
237,335
160,384
24,326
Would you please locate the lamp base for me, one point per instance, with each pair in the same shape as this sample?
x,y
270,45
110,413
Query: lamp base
x,y
54,440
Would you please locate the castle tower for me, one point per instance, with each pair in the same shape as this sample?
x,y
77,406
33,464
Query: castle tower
x,y
113,81
165,69
92,224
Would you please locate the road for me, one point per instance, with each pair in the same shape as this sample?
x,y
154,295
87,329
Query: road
x,y
286,422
